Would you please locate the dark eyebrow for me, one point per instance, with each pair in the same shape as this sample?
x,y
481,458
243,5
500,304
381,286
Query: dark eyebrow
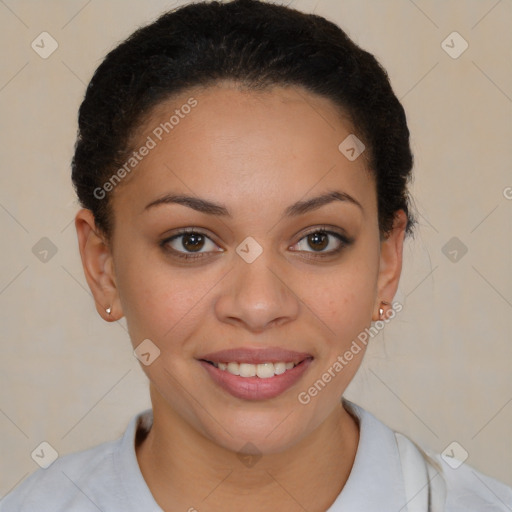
x,y
201,205
301,207
298,208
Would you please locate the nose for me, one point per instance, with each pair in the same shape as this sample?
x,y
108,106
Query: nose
x,y
257,295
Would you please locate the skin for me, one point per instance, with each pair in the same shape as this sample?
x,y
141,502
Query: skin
x,y
255,153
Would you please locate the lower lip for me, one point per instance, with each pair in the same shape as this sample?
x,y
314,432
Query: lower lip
x,y
255,388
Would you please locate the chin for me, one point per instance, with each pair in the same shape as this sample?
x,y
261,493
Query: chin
x,y
263,432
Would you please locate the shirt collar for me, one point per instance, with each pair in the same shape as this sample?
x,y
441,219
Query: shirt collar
x,y
375,482
138,495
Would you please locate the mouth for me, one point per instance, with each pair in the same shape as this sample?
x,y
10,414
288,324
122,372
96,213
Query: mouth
x,y
263,370
256,374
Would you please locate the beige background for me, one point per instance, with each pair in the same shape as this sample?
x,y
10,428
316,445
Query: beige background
x,y
441,371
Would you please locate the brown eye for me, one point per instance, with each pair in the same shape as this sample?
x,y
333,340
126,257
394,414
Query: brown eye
x,y
318,241
189,244
322,242
193,241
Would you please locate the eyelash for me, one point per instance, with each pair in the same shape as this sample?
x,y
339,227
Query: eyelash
x,y
344,242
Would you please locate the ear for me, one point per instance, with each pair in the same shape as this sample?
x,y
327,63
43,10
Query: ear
x,y
390,268
98,265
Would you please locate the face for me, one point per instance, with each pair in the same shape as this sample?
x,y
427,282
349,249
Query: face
x,y
278,271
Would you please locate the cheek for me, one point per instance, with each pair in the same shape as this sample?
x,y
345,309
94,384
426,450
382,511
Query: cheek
x,y
159,302
170,306
344,304
344,299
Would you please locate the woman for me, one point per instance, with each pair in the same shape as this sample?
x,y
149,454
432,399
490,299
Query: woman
x,y
243,173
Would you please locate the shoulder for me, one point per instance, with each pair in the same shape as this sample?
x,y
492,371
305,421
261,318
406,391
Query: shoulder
x,y
465,488
59,486
447,480
100,478
470,490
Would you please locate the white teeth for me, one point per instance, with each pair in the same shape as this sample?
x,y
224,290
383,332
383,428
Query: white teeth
x,y
265,370
279,368
247,370
233,368
262,370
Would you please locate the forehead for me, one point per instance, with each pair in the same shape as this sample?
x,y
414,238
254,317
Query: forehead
x,y
245,146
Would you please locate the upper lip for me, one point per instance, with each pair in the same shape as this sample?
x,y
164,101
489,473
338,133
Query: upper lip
x,y
256,356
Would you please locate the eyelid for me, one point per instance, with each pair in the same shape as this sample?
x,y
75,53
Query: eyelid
x,y
185,231
339,233
327,229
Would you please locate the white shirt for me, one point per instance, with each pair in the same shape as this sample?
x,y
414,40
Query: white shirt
x,y
107,478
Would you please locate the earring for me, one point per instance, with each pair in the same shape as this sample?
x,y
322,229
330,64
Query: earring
x,y
108,310
381,309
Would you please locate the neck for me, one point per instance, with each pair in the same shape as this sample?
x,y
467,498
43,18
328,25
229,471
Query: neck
x,y
186,471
